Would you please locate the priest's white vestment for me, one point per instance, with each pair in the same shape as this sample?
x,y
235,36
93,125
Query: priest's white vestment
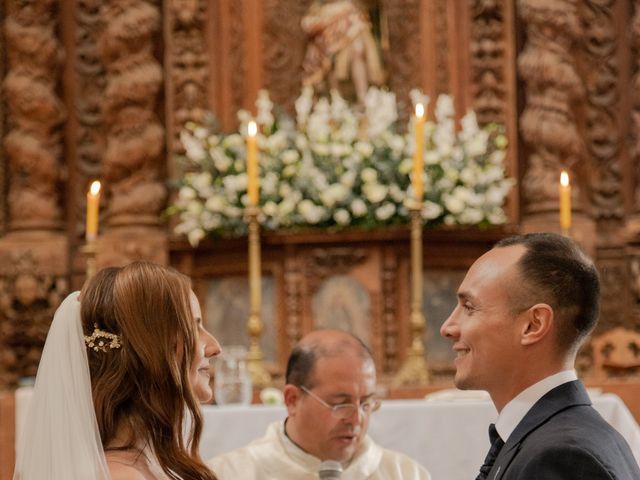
x,y
275,456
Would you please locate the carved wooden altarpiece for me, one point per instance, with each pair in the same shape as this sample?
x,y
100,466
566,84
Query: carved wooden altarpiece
x,y
101,89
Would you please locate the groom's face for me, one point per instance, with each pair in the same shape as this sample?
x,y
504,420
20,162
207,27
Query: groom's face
x,y
483,327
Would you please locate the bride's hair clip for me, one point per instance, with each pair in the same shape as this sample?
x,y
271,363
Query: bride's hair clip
x,y
101,340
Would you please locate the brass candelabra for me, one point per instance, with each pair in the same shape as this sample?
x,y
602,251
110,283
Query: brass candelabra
x,y
415,370
259,375
90,249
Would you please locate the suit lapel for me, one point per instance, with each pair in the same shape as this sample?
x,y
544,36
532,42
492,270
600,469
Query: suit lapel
x,y
564,396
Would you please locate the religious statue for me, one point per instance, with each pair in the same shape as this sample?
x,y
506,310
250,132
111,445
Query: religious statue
x,y
341,45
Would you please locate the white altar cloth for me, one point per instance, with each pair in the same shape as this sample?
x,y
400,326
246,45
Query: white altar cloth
x,y
448,437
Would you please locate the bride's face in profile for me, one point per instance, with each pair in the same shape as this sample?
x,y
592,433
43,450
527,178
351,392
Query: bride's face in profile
x,y
206,347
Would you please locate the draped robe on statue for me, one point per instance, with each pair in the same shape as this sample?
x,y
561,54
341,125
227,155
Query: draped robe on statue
x,y
275,456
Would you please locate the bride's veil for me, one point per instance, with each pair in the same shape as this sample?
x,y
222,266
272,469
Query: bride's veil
x,y
61,440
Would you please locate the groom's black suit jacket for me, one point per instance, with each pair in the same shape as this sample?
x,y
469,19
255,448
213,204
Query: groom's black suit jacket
x,y
563,438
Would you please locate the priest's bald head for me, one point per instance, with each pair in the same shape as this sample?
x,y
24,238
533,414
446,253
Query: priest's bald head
x,y
331,381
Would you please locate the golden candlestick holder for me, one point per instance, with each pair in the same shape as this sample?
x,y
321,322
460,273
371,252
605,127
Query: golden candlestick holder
x,y
259,375
90,249
415,370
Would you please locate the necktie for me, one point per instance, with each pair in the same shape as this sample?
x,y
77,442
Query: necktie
x,y
496,445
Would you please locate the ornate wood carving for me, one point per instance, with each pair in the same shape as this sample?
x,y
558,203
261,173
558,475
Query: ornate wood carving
x,y
90,84
389,314
187,65
292,305
133,159
633,259
30,292
634,150
602,125
3,161
402,61
442,48
35,113
322,263
237,57
614,285
284,46
126,244
552,85
488,60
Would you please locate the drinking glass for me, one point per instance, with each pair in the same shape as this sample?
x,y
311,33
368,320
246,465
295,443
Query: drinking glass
x,y
232,383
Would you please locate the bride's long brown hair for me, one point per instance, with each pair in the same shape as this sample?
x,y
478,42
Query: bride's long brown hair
x,y
144,387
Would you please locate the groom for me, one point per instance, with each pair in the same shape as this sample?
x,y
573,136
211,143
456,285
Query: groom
x,y
524,308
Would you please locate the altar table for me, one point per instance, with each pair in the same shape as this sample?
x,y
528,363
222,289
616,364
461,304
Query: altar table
x,y
449,437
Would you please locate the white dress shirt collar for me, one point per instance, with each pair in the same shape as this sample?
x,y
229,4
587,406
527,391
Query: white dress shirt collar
x,y
517,408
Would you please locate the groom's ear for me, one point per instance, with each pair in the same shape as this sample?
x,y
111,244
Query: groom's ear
x,y
537,324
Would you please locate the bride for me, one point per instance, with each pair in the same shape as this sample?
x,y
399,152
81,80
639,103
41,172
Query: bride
x,y
124,367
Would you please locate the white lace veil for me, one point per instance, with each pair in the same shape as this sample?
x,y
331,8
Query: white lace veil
x,y
61,440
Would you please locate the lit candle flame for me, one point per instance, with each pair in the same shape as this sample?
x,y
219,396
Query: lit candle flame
x,y
419,110
252,128
564,179
95,188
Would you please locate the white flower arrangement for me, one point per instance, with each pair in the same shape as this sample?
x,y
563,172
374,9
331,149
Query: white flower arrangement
x,y
334,167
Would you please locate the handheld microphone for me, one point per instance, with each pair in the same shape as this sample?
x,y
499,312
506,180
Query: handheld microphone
x,y
330,470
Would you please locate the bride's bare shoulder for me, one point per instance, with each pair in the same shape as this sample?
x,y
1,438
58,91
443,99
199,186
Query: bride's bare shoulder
x,y
121,471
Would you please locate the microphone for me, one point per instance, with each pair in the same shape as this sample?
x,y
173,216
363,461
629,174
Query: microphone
x,y
330,470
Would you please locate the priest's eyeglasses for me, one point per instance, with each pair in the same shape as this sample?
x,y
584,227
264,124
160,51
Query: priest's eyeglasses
x,y
346,410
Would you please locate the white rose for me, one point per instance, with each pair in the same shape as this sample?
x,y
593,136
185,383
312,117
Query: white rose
x,y
232,211
477,145
220,160
431,210
342,217
215,203
468,176
321,149
497,216
187,193
202,182
374,192
233,141
290,156
385,211
444,107
396,193
194,207
348,179
358,208
406,165
431,157
289,171
193,148
194,236
364,148
454,203
270,208
200,133
471,216
368,175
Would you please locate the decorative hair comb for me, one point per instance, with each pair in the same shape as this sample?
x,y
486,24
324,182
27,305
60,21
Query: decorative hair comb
x,y
101,340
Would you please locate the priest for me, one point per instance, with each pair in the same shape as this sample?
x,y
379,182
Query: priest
x,y
330,396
